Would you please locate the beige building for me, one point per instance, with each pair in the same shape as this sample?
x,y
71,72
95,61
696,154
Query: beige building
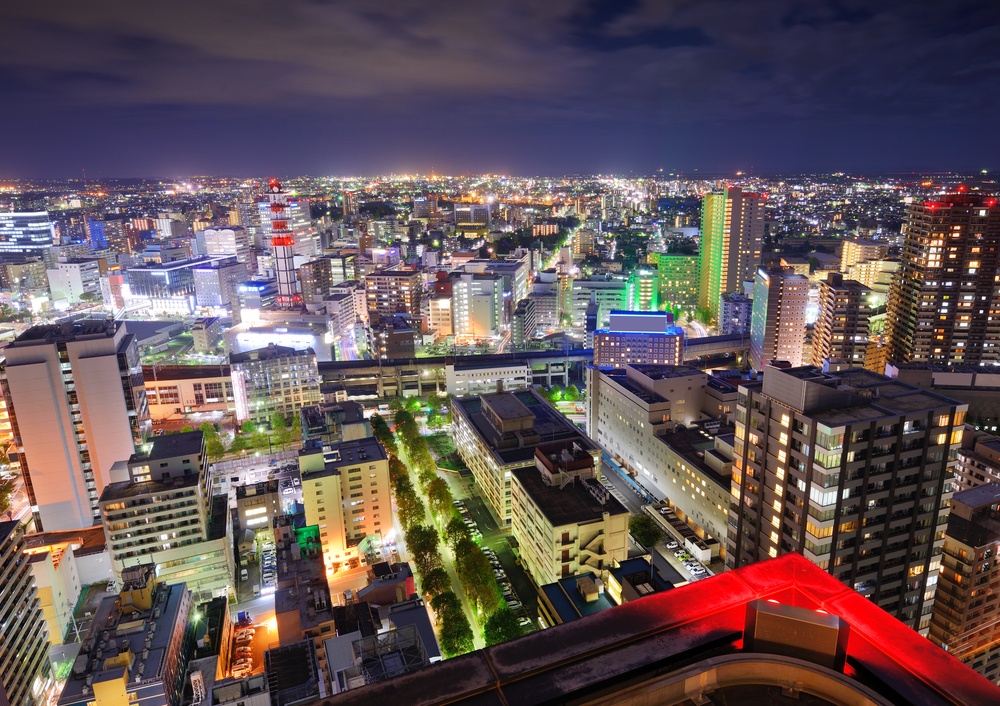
x,y
497,434
564,520
346,493
184,389
778,321
841,332
854,251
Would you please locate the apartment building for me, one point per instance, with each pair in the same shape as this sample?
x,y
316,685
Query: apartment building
x,y
346,494
160,509
851,469
24,662
391,292
841,332
564,520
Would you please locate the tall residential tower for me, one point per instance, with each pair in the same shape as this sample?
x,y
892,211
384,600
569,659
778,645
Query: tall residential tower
x,y
732,235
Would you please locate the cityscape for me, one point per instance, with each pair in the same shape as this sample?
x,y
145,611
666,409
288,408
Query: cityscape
x,y
586,353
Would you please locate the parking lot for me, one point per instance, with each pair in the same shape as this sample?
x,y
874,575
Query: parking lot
x,y
250,641
518,590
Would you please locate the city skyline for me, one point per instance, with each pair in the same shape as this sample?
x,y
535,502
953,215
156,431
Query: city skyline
x,y
565,88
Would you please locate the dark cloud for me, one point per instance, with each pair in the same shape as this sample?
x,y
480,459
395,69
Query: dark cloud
x,y
546,87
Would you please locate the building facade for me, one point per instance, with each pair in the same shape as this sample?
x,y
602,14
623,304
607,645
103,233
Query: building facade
x,y
639,337
778,321
274,379
841,331
851,469
944,305
24,669
393,292
732,236
78,405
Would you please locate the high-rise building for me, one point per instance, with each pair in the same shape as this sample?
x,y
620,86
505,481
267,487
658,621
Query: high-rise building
x,y
778,321
234,242
966,618
216,284
679,278
978,461
274,379
643,290
345,491
78,405
477,305
394,292
160,508
24,669
856,250
77,279
732,236
851,469
639,337
25,233
609,293
735,311
841,332
944,305
349,201
524,323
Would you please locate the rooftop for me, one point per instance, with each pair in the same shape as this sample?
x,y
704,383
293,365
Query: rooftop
x,y
692,445
346,453
575,504
568,602
679,637
271,352
188,443
81,329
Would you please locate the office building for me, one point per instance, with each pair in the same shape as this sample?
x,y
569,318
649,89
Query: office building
x,y
841,332
476,215
229,242
24,233
206,334
733,638
77,279
966,618
639,337
166,287
274,379
345,490
439,315
184,389
393,292
635,415
854,251
217,283
679,278
524,324
735,312
610,294
470,377
851,469
944,305
24,669
497,433
477,305
778,320
643,291
391,338
160,509
732,235
137,647
78,404
564,520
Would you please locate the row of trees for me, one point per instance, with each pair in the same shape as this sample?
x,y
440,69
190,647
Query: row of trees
x,y
454,631
474,571
254,436
560,394
475,574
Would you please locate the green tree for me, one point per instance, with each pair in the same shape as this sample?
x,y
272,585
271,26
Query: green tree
x,y
455,531
214,447
436,581
453,628
422,541
209,430
248,427
501,626
240,444
6,491
260,441
440,498
185,429
645,530
572,393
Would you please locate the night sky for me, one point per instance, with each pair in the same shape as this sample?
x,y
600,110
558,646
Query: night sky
x,y
126,88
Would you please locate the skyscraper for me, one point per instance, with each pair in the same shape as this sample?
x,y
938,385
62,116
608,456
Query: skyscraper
x,y
944,305
778,319
78,405
732,235
841,331
25,233
851,469
25,639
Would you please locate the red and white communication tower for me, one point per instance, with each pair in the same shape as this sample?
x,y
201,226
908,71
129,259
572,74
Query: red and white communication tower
x,y
281,243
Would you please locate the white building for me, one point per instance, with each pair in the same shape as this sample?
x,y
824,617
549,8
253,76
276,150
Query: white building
x,y
76,279
77,395
477,307
481,378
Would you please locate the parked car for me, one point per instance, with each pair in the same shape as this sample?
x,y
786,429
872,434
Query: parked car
x,y
672,544
242,671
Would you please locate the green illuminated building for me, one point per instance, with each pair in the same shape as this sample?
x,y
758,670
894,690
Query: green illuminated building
x,y
643,290
732,234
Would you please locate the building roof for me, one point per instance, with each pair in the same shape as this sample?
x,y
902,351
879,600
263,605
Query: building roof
x,y
567,601
674,636
271,352
692,445
346,453
69,331
186,443
574,504
91,540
